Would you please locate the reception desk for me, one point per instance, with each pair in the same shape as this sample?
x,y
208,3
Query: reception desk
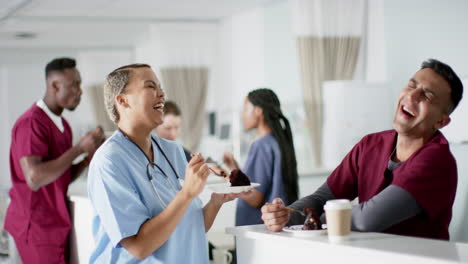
x,y
255,244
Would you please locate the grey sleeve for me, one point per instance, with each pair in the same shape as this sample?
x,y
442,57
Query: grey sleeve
x,y
316,200
391,206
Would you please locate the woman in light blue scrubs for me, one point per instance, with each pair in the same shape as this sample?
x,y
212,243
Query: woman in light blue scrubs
x,y
143,211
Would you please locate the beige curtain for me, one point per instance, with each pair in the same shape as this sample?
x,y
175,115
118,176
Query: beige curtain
x,y
96,97
322,59
188,86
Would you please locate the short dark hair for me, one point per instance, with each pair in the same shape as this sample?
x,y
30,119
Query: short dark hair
x,y
171,108
450,76
59,64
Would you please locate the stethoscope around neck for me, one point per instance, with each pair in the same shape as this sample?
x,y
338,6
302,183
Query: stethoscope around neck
x,y
153,164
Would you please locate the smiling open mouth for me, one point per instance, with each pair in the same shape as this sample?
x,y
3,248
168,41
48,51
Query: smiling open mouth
x,y
159,107
407,112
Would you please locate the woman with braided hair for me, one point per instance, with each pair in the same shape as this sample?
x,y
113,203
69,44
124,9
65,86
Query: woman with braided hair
x,y
271,160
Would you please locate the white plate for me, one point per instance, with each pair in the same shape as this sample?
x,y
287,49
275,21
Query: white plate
x,y
227,188
297,231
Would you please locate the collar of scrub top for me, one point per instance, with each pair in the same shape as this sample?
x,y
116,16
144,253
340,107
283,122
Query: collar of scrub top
x,y
153,164
55,118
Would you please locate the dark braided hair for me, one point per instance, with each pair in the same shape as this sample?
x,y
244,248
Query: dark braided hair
x,y
267,100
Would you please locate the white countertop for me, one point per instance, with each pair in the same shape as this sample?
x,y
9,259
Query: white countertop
x,y
384,247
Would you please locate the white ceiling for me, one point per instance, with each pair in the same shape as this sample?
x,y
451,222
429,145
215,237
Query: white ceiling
x,y
102,23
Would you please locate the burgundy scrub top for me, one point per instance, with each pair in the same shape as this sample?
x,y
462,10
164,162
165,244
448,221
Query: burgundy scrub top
x,y
429,175
39,217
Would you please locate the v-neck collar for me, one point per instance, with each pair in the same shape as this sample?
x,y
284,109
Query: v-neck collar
x,y
55,118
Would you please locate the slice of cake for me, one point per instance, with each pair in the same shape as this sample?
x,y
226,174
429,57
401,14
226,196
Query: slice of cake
x,y
238,178
312,221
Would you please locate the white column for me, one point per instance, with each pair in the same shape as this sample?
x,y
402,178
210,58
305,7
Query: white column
x,y
4,130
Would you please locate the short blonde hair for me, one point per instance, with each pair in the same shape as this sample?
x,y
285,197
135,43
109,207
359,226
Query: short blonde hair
x,y
115,84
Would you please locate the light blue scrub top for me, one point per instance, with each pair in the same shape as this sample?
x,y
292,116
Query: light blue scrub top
x,y
123,199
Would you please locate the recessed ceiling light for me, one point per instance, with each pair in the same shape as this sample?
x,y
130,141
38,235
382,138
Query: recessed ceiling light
x,y
25,35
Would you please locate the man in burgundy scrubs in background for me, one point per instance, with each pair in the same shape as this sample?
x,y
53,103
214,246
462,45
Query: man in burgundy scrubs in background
x,y
405,178
41,157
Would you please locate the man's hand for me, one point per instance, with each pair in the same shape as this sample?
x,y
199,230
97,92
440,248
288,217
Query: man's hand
x,y
91,141
275,215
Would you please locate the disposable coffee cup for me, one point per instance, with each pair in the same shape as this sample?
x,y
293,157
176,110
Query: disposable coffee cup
x,y
338,215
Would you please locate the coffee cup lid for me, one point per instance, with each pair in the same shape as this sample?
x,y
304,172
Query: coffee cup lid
x,y
338,204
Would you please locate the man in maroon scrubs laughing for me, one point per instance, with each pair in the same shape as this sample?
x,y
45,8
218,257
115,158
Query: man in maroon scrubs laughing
x,y
406,178
41,157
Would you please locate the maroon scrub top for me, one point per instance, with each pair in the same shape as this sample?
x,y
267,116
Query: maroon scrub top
x,y
429,175
39,217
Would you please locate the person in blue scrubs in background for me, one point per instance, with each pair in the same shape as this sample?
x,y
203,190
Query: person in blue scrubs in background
x,y
271,160
144,213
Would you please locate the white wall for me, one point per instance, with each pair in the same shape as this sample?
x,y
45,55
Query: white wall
x,y
420,29
282,72
242,49
242,68
4,128
375,65
178,44
368,112
457,130
458,226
